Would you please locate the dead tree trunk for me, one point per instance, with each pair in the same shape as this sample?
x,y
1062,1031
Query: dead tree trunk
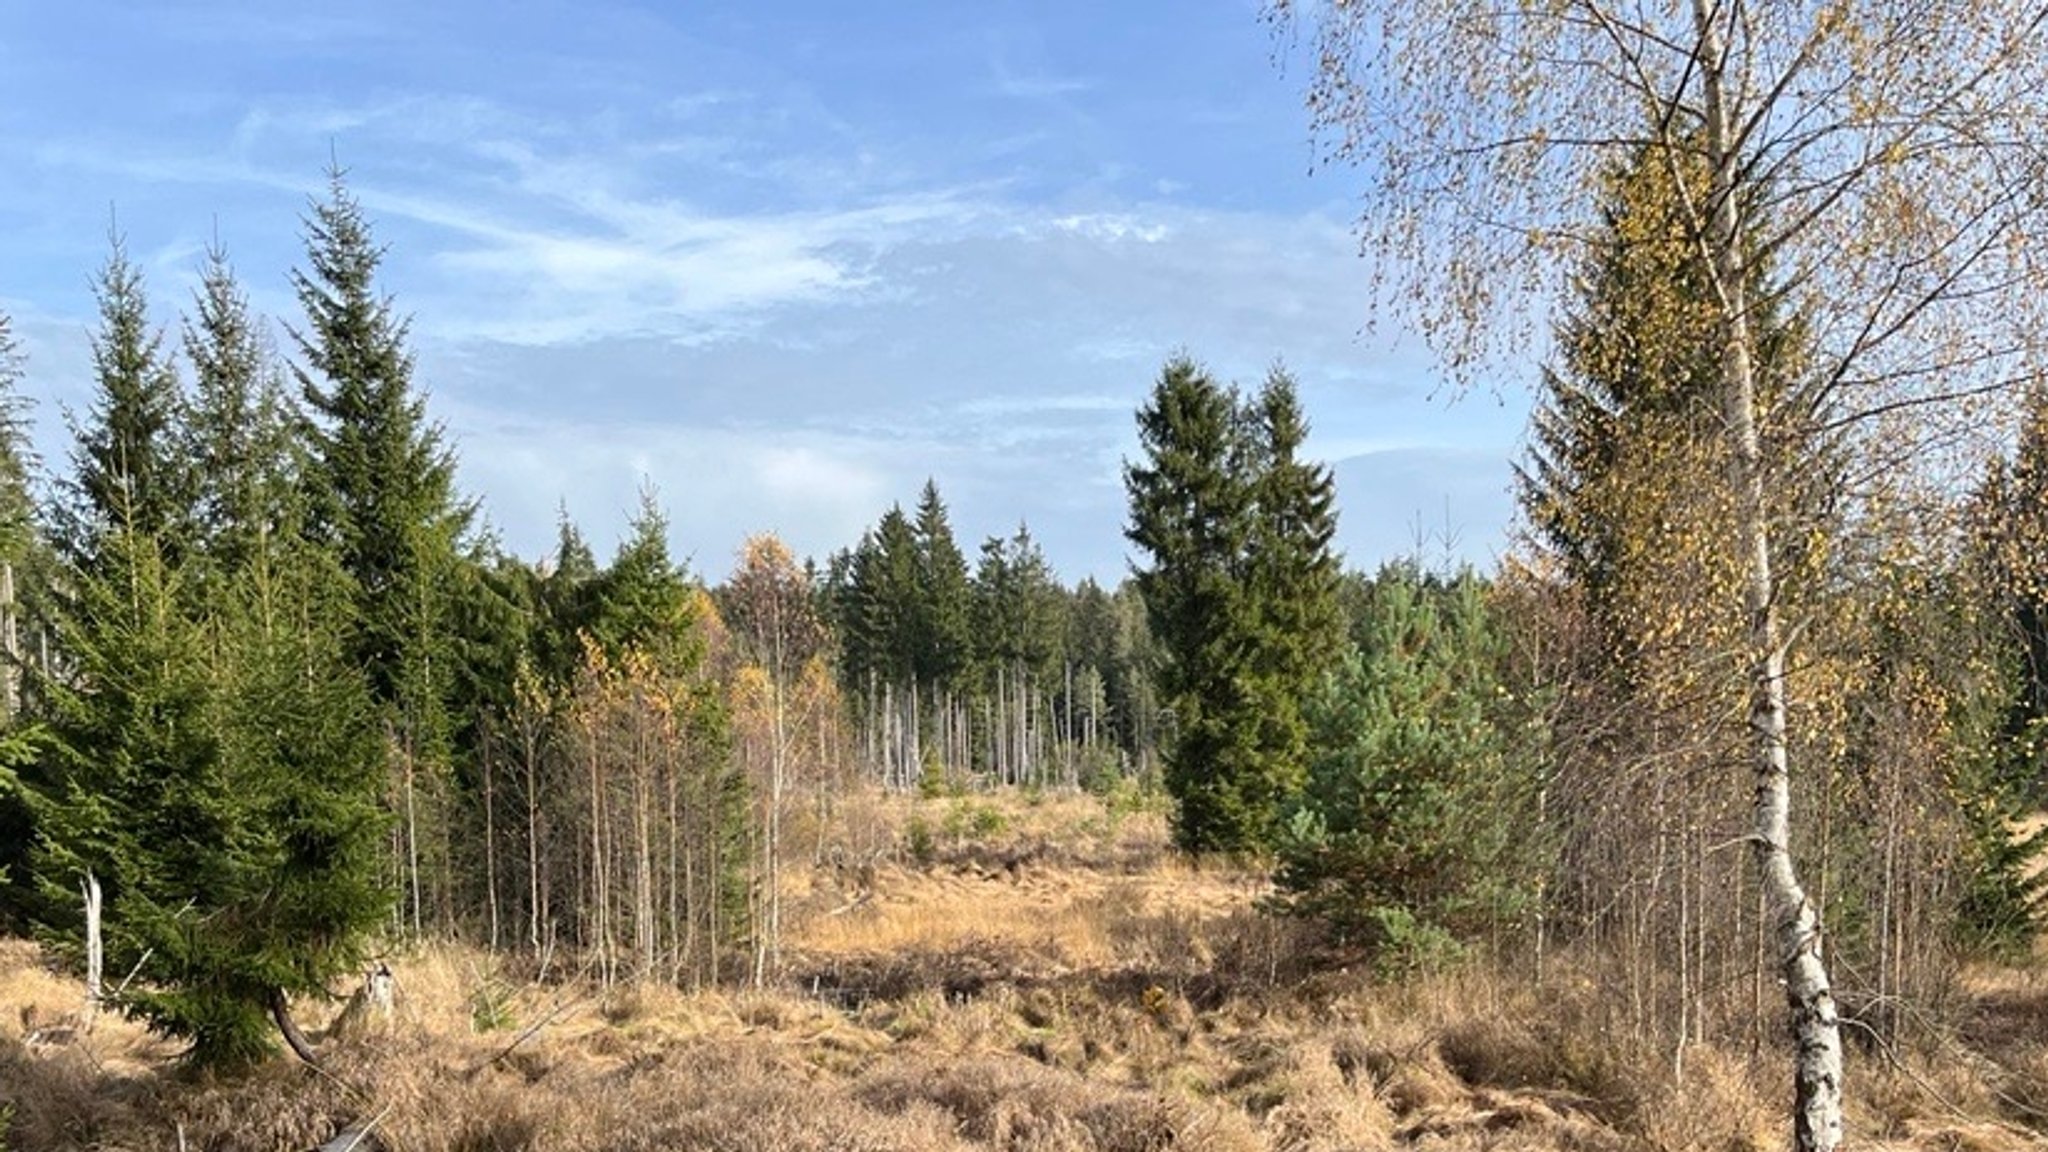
x,y
95,953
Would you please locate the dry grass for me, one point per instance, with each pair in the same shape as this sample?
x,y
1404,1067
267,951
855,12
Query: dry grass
x,y
1047,979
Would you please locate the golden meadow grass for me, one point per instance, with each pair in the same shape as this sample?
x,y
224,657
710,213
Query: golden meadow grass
x,y
1050,978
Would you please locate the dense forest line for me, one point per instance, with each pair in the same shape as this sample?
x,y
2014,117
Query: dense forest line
x,y
275,688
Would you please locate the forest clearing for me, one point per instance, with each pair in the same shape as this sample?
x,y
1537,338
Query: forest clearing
x,y
1696,806
1049,977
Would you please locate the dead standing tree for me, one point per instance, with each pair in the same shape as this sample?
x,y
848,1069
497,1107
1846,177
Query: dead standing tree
x,y
1886,156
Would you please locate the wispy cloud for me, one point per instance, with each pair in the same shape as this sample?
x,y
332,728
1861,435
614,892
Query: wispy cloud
x,y
1040,87
1028,82
1025,405
615,266
718,485
1113,227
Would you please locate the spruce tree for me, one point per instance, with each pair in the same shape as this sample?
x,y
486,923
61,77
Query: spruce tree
x,y
381,481
1018,635
18,529
1294,575
382,497
2014,539
2002,907
943,599
642,600
1626,433
129,473
218,772
564,595
238,441
891,603
1192,512
24,567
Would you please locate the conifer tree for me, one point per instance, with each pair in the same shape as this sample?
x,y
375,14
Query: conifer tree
x,y
24,567
1294,572
381,489
887,593
1017,639
26,561
891,600
2002,908
564,595
18,530
1192,512
381,481
1133,689
2014,538
238,448
642,599
129,474
1413,830
218,773
943,599
1241,593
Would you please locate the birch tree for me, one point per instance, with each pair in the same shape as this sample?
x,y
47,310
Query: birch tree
x,y
777,632
1886,156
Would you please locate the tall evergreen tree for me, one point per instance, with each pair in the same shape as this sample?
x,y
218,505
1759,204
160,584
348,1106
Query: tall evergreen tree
x,y
2014,537
891,601
642,600
238,446
564,594
129,471
1294,571
1018,634
1241,593
2003,907
18,529
1192,513
943,599
1017,619
381,481
381,489
25,565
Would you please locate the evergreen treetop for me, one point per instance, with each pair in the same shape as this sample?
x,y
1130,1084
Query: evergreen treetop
x,y
382,484
129,471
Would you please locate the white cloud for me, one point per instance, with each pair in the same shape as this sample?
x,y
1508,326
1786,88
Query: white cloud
x,y
718,485
1113,227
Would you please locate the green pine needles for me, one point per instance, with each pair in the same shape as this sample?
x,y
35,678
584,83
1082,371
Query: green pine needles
x,y
1413,830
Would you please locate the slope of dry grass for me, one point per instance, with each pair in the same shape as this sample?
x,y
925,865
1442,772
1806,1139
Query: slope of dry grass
x,y
1032,977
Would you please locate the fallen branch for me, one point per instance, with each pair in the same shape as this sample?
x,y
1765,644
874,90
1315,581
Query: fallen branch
x,y
280,1012
352,1137
528,1033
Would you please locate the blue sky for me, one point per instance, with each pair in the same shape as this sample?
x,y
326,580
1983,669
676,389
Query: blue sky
x,y
781,260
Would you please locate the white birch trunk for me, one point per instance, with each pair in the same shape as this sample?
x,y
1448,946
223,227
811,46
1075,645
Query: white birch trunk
x,y
1795,923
